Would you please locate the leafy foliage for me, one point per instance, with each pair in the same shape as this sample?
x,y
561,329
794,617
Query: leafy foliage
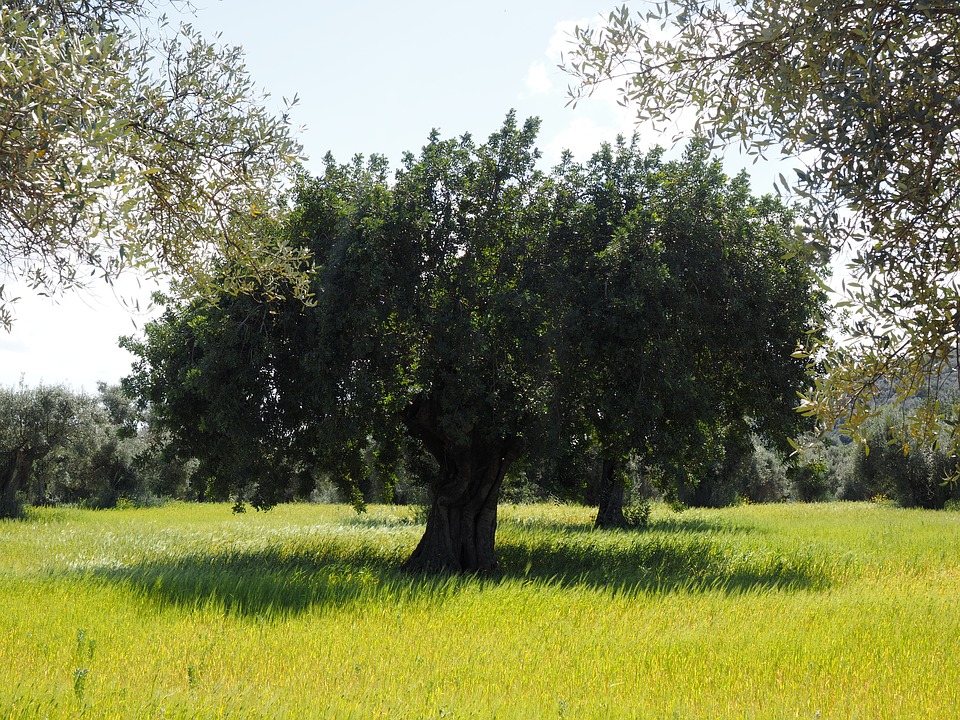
x,y
32,424
474,311
914,476
866,94
424,319
124,147
62,447
686,314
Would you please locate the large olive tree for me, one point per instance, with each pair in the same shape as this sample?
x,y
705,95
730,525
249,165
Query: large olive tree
x,y
473,307
682,312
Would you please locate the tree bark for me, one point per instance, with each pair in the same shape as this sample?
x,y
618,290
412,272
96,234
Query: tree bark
x,y
610,512
462,523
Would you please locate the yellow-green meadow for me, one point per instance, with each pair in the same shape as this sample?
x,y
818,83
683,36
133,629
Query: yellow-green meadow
x,y
767,611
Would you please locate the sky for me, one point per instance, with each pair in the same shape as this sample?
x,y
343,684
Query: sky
x,y
371,76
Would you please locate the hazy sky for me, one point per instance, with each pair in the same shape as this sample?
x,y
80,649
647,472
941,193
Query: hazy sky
x,y
372,77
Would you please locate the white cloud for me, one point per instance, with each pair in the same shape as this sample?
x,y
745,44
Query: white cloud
x,y
538,82
542,76
582,136
595,119
9,345
607,117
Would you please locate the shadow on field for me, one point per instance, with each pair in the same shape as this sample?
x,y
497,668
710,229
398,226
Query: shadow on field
x,y
683,523
675,524
271,580
676,556
674,553
658,562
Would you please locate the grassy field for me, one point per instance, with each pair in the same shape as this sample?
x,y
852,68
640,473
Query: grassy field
x,y
184,611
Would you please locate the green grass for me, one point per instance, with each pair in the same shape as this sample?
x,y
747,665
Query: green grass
x,y
184,611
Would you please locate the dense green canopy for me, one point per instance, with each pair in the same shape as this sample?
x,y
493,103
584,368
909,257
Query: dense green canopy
x,y
475,309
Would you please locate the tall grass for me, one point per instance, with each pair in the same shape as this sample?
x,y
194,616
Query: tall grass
x,y
189,611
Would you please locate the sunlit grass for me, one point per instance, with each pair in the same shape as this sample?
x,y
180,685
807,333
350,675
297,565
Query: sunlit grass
x,y
750,612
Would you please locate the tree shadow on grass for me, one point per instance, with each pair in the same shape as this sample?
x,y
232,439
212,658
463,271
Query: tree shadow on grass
x,y
337,572
675,553
386,521
678,523
272,580
686,523
661,562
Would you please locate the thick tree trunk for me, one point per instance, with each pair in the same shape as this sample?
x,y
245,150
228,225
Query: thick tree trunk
x,y
462,523
610,513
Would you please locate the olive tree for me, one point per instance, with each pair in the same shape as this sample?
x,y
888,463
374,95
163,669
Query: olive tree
x,y
425,326
128,145
470,308
682,314
33,423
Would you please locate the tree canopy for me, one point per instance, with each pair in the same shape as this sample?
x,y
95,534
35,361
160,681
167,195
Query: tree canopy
x,y
866,95
682,315
472,309
32,423
125,143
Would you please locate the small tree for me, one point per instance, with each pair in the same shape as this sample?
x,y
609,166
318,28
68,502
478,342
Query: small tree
x,y
33,423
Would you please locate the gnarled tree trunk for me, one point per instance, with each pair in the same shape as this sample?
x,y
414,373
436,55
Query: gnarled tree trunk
x,y
610,512
462,523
